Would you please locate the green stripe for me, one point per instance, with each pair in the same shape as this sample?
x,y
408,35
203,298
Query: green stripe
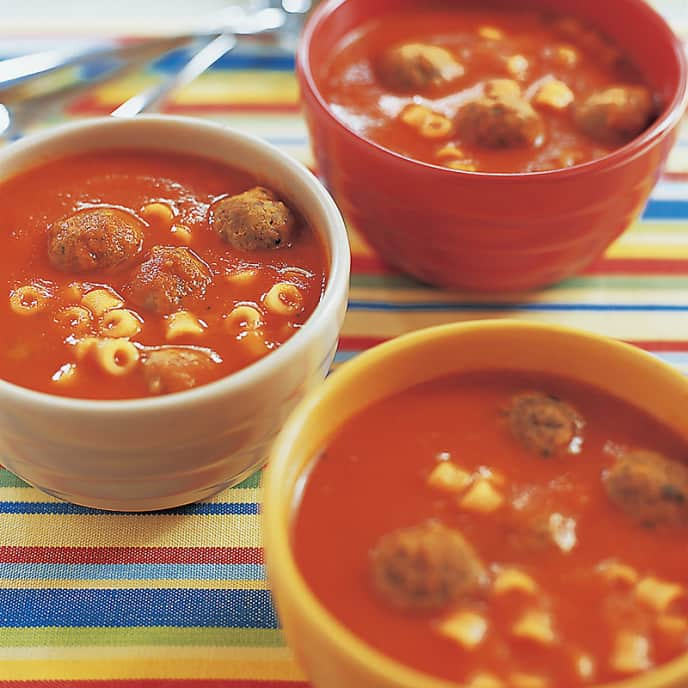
x,y
8,479
122,637
663,226
392,282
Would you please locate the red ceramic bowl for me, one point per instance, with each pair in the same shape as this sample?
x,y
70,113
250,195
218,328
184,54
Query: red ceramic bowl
x,y
488,231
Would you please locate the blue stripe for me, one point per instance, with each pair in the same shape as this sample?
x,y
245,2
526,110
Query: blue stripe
x,y
174,61
126,608
516,306
663,209
206,572
63,508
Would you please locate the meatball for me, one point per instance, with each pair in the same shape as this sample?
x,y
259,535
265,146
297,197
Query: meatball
x,y
254,219
649,487
166,278
542,423
424,567
414,67
94,239
615,115
176,368
499,122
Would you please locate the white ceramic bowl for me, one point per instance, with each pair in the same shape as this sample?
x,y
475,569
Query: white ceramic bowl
x,y
162,452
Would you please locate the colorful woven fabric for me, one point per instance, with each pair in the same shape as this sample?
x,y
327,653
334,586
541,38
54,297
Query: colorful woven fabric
x,y
179,598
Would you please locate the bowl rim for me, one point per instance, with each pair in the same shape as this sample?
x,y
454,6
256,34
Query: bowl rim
x,y
333,234
277,530
671,116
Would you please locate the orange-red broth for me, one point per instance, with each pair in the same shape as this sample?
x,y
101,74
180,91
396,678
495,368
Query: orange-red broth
x,y
35,347
483,40
380,461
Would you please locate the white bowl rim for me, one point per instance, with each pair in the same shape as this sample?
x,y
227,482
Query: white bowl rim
x,y
334,233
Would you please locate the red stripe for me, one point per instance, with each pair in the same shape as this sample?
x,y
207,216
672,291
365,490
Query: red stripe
x,y
359,343
659,345
675,176
154,683
131,555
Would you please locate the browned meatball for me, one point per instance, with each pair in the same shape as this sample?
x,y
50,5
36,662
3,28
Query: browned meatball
x,y
94,239
425,567
542,423
254,219
176,368
166,278
615,115
650,488
499,122
415,67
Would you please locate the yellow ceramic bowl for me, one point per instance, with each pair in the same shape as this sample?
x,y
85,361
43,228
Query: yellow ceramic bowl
x,y
329,653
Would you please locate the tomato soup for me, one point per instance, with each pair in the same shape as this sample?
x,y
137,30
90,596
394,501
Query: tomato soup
x,y
490,90
134,273
502,530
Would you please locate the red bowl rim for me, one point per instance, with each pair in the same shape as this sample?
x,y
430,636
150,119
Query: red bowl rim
x,y
672,115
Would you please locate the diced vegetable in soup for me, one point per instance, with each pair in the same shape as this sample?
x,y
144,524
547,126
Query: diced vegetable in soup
x,y
503,529
128,274
485,89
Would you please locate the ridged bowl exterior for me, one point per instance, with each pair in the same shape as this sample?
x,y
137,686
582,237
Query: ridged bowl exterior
x,y
156,453
493,232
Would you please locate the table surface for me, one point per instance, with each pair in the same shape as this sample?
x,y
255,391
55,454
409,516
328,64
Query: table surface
x,y
179,598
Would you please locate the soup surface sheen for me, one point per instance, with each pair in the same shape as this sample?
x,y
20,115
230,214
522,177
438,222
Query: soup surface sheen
x,y
488,90
120,280
572,541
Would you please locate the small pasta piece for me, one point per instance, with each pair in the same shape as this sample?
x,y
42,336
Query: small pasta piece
x,y
415,115
72,292
535,625
482,497
517,66
658,594
519,680
563,531
183,324
502,89
436,127
120,322
484,680
449,477
450,150
465,627
99,301
29,299
158,213
283,298
76,319
241,277
616,572
254,342
585,666
554,94
566,55
631,653
65,374
84,346
513,580
181,232
462,165
492,33
116,356
244,317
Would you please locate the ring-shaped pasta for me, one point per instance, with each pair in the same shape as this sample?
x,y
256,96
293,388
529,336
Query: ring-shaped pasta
x,y
435,126
246,317
100,301
76,318
29,299
120,322
242,276
283,298
158,213
116,357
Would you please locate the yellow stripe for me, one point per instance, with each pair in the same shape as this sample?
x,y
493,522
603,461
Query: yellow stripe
x,y
39,530
245,87
32,495
83,663
656,326
135,584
